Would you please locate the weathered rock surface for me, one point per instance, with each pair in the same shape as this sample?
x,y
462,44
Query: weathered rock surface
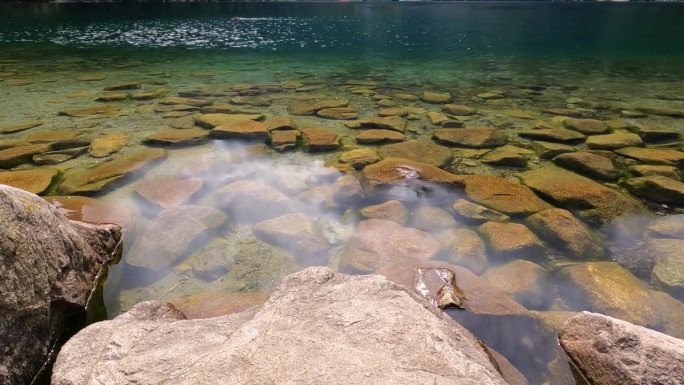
x,y
167,237
379,242
561,229
18,127
48,266
283,140
590,200
610,351
310,309
93,180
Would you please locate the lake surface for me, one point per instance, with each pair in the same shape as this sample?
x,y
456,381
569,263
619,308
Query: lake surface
x,y
157,72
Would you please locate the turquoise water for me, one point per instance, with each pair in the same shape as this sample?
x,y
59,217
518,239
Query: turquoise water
x,y
604,60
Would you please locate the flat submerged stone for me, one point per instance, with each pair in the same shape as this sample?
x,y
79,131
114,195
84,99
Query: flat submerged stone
x,y
95,179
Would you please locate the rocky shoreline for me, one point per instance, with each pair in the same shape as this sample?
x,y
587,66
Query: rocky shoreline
x,y
518,205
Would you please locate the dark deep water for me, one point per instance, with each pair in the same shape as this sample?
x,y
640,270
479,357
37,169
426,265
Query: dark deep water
x,y
620,55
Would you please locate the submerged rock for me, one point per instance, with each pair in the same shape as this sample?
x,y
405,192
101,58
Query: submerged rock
x,y
435,97
394,123
502,195
590,200
465,248
22,126
108,144
561,229
16,156
653,155
613,141
378,242
657,188
360,157
93,180
380,136
49,267
310,108
240,129
553,135
614,352
424,152
668,272
392,210
90,111
167,192
320,139
400,171
589,164
310,309
586,126
526,282
35,181
295,232
168,236
511,240
477,137
608,288
178,137
472,212
252,200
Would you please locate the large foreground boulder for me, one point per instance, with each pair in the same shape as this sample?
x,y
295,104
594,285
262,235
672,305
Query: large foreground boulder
x,y
317,328
48,268
609,351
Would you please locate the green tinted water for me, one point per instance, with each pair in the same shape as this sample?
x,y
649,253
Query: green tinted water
x,y
602,60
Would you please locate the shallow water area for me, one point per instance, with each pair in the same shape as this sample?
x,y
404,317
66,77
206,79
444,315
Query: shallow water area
x,y
237,143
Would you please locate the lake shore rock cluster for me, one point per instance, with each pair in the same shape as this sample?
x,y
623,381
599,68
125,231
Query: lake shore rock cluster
x,y
515,207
